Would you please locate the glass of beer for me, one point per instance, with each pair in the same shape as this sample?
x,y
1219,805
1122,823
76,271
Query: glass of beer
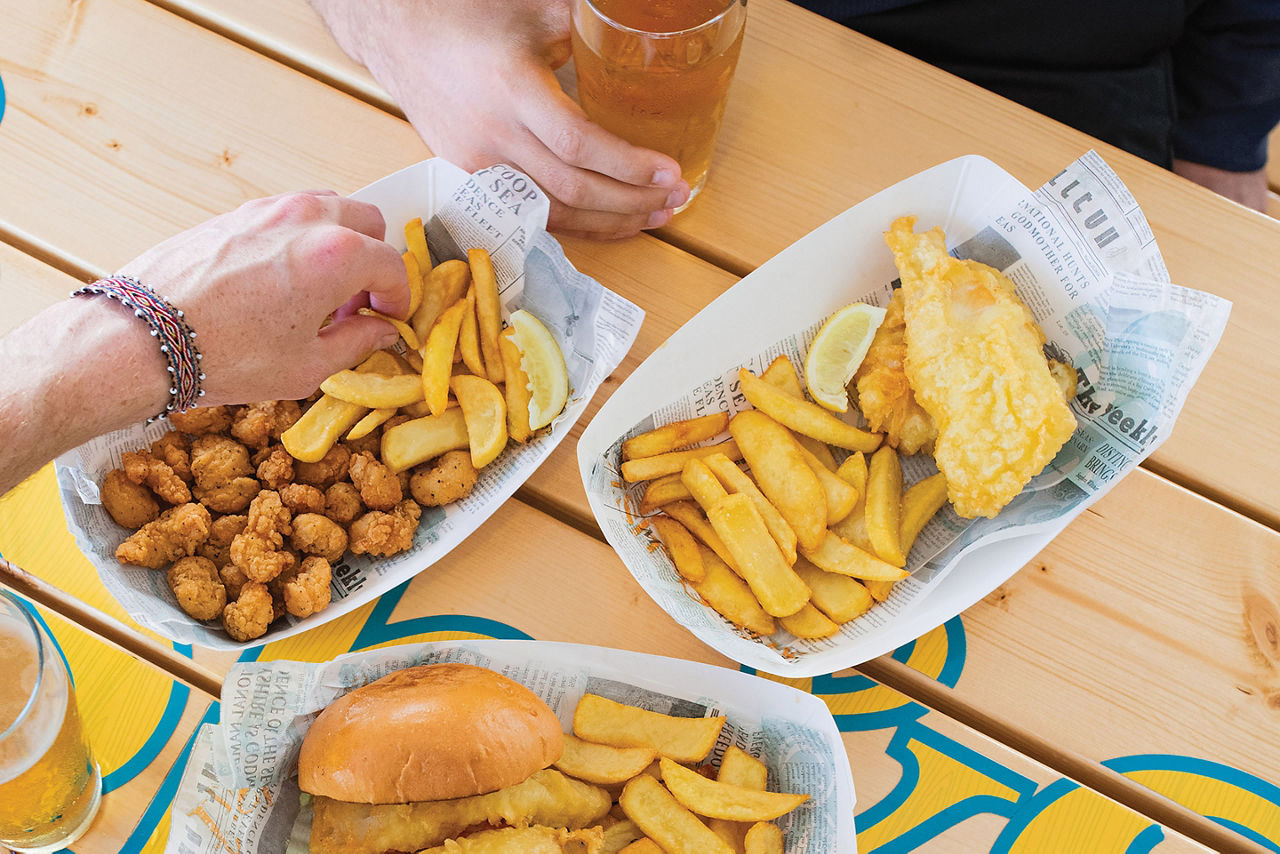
x,y
657,73
50,786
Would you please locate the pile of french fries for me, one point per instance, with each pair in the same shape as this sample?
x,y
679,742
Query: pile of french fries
x,y
459,379
796,539
649,762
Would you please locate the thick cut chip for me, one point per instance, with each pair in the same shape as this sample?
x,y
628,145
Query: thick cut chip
x,y
469,338
838,596
373,391
437,357
763,838
488,311
740,527
804,417
730,597
443,286
602,764
839,555
665,821
485,413
688,514
370,422
516,388
809,623
413,272
648,468
841,497
662,491
682,547
605,721
780,470
702,484
736,480
883,506
781,374
676,435
919,502
714,799
405,445
320,427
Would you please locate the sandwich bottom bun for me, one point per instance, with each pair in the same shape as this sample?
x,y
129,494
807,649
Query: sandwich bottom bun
x,y
428,733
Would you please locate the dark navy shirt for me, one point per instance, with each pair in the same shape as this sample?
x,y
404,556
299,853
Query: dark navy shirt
x,y
1193,79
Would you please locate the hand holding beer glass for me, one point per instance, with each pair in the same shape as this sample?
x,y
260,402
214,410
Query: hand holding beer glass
x,y
657,73
50,787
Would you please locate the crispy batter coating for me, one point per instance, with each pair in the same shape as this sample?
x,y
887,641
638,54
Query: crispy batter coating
x,y
222,472
258,423
175,534
130,504
221,534
385,534
234,579
195,581
975,358
259,549
250,614
328,471
884,394
175,449
301,498
144,469
448,478
201,419
342,503
378,485
275,468
307,590
315,534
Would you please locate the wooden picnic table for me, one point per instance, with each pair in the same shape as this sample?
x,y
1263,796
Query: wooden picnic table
x,y
1121,692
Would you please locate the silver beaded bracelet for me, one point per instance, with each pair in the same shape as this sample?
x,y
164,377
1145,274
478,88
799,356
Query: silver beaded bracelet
x,y
177,338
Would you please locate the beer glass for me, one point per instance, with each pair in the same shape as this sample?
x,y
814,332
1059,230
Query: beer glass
x,y
50,787
657,73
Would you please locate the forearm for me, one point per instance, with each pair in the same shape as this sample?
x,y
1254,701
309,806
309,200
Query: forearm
x,y
82,367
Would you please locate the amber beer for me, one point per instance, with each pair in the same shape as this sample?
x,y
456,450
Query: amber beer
x,y
657,72
50,786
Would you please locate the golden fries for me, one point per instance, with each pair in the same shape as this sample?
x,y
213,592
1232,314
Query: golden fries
x,y
647,468
373,391
674,436
804,417
443,286
437,358
716,799
682,547
663,490
415,237
702,484
782,474
605,721
735,480
421,439
413,272
739,525
841,497
809,623
516,388
488,310
602,764
484,410
688,514
312,435
919,502
469,338
884,506
730,597
838,555
840,597
763,838
675,829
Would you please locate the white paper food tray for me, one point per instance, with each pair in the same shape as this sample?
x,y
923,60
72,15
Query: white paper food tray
x,y
792,731
1085,261
497,208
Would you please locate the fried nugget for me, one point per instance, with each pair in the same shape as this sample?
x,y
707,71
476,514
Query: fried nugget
x,y
449,477
975,359
195,581
222,532
258,423
144,469
385,534
884,394
175,449
342,503
327,471
275,468
378,485
132,505
306,590
201,419
301,498
222,472
175,534
259,550
315,534
250,614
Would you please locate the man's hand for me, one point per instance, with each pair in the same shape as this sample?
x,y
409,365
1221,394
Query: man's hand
x,y
1247,188
477,81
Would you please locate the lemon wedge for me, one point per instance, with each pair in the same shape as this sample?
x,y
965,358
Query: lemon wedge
x,y
542,361
837,351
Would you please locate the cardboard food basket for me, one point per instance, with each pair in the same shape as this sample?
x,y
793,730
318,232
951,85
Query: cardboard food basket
x,y
1084,261
497,208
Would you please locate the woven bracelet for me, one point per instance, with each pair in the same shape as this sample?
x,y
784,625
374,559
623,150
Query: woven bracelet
x,y
177,339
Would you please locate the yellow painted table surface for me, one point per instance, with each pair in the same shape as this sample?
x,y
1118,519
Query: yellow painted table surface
x,y
1136,639
140,723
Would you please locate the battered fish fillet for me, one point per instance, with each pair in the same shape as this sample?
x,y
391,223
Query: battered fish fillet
x,y
526,840
547,798
975,361
884,394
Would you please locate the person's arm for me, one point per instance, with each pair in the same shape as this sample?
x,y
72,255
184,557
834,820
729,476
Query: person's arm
x,y
477,81
256,285
1227,78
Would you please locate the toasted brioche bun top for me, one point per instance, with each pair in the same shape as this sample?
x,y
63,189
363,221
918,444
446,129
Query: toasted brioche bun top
x,y
428,733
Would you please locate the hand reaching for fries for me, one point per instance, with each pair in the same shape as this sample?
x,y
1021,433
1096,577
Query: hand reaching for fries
x,y
477,81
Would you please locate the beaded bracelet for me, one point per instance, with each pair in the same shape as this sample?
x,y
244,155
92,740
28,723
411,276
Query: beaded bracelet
x,y
177,339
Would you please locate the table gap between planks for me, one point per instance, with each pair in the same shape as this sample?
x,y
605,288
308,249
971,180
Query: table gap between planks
x,y
611,265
